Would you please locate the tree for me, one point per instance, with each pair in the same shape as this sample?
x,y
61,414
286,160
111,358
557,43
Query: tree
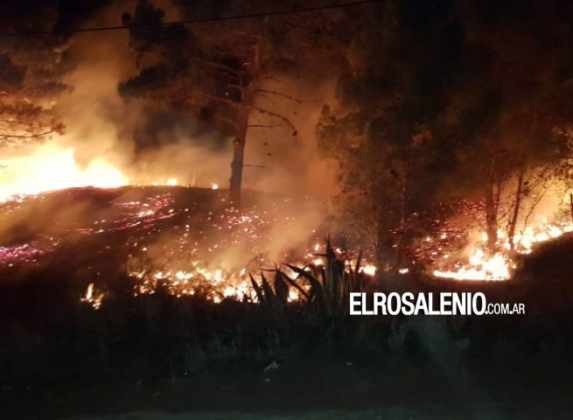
x,y
510,117
31,72
400,66
445,102
217,74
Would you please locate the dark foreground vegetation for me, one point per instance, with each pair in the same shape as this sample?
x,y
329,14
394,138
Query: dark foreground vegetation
x,y
61,358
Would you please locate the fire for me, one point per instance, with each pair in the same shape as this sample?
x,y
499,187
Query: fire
x,y
500,266
369,269
480,267
53,167
170,182
93,297
215,284
202,269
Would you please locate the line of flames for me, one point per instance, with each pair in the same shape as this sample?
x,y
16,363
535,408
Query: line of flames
x,y
481,266
216,284
55,167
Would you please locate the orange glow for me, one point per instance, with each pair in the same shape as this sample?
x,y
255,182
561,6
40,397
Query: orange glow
x,y
93,297
500,266
53,167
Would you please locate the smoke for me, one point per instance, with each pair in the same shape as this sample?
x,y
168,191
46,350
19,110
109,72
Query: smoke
x,y
284,162
97,120
110,141
149,149
101,125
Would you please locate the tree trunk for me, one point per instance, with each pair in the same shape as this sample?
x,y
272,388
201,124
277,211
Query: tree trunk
x,y
491,210
401,242
516,207
238,158
571,204
247,99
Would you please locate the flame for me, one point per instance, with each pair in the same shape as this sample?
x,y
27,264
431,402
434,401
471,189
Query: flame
x,y
93,297
369,269
53,167
480,267
500,266
216,283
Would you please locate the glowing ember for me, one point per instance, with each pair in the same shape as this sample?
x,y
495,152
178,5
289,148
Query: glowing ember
x,y
218,283
213,284
21,253
169,241
93,297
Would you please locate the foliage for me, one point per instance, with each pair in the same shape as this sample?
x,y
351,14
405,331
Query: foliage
x,y
227,78
31,80
437,107
323,291
389,101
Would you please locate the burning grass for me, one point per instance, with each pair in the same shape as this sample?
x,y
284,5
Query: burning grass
x,y
186,240
161,342
156,345
472,261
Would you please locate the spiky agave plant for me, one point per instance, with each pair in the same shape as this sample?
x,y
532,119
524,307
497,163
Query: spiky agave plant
x,y
325,289
274,300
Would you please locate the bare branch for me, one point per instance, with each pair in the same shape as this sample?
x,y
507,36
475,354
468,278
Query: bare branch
x,y
215,98
278,116
250,165
264,126
25,136
283,95
235,104
221,67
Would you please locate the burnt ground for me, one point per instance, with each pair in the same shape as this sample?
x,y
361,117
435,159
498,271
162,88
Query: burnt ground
x,y
190,358
93,231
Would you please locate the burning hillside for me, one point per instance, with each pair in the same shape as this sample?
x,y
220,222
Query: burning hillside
x,y
190,184
192,239
184,239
